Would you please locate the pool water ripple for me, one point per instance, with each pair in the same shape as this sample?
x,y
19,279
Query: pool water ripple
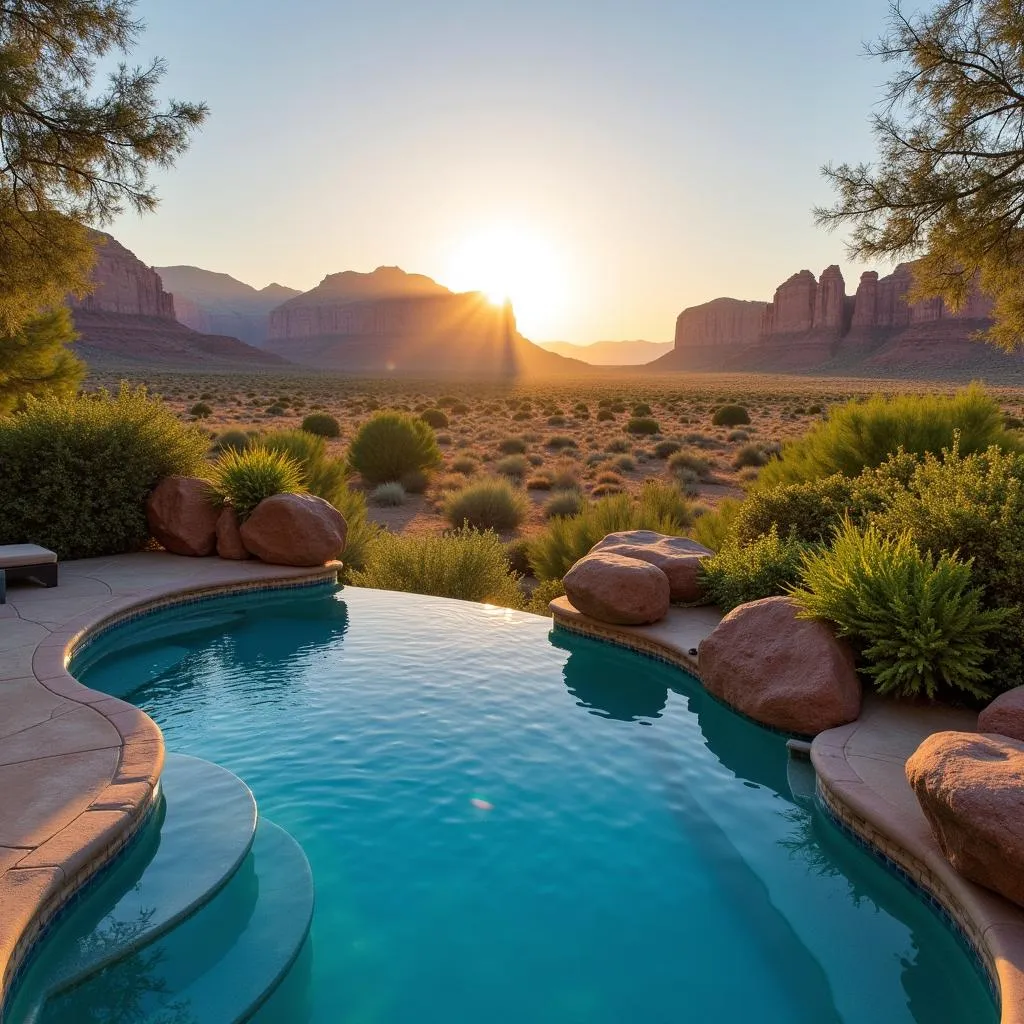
x,y
507,824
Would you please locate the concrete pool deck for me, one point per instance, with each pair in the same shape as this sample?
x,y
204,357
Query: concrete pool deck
x,y
862,785
79,770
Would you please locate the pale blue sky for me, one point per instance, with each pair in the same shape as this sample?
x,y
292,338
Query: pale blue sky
x,y
664,152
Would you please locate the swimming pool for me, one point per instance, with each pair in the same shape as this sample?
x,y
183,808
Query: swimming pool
x,y
510,823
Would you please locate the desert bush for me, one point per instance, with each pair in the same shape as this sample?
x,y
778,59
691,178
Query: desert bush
x,y
810,511
730,416
663,449
76,471
362,531
274,410
696,464
916,619
738,435
561,441
539,482
643,425
750,455
713,527
200,410
415,481
664,503
568,539
514,466
389,495
609,476
434,418
861,435
556,421
641,409
766,567
390,444
563,503
516,553
322,424
619,446
463,564
464,464
512,446
245,478
487,504
603,415
626,463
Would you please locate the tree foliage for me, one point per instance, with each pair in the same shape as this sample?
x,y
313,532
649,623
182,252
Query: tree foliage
x,y
35,361
948,183
73,152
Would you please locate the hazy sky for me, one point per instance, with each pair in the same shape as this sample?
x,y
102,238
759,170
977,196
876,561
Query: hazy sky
x,y
641,155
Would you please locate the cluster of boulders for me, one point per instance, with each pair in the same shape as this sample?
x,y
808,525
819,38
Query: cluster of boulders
x,y
285,529
631,578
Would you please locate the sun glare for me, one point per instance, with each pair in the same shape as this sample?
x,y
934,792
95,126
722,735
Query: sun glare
x,y
507,263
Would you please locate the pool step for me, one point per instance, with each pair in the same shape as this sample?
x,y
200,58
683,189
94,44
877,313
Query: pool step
x,y
208,905
218,966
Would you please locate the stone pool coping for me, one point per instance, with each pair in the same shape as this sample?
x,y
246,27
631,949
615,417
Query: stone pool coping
x,y
79,770
862,786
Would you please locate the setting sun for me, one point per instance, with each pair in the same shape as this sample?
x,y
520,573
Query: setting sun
x,y
508,263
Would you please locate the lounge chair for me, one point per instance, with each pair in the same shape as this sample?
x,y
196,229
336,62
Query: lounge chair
x,y
26,562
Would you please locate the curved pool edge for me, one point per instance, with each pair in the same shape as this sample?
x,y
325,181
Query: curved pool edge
x,y
875,807
80,770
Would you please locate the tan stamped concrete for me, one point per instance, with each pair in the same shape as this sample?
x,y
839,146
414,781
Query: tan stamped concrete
x,y
78,769
860,769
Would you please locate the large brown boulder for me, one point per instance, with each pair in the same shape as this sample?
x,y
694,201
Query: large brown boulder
x,y
1005,715
785,672
677,557
971,789
182,515
612,588
229,535
295,529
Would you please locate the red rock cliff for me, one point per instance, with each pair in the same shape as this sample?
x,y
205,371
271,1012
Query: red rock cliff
x,y
124,284
729,322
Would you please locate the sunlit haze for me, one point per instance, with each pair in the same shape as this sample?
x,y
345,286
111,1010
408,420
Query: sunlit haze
x,y
603,164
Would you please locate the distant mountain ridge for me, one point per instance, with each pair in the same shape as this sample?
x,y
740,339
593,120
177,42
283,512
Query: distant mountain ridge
x,y
129,317
390,322
610,353
218,303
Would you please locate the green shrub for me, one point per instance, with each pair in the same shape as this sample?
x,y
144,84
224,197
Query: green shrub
x,y
972,505
322,424
238,439
738,573
200,410
512,446
515,466
715,527
641,409
643,425
750,455
603,415
916,620
274,410
810,511
568,539
560,441
389,495
682,461
860,435
487,504
463,564
730,416
516,553
663,449
543,594
625,463
362,531
245,478
619,445
434,418
323,474
390,444
539,482
464,464
664,503
563,503
76,471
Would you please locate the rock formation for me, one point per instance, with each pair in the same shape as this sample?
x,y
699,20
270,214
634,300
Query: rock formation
x,y
812,322
610,353
393,322
129,317
220,304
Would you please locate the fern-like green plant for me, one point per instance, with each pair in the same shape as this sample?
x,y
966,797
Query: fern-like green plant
x,y
245,478
917,621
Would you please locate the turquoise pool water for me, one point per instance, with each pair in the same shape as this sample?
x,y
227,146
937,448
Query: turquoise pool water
x,y
510,824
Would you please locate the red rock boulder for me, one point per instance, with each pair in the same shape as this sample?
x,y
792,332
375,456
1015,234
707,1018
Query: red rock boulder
x,y
295,529
677,557
1005,715
619,590
229,536
782,671
971,789
182,515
